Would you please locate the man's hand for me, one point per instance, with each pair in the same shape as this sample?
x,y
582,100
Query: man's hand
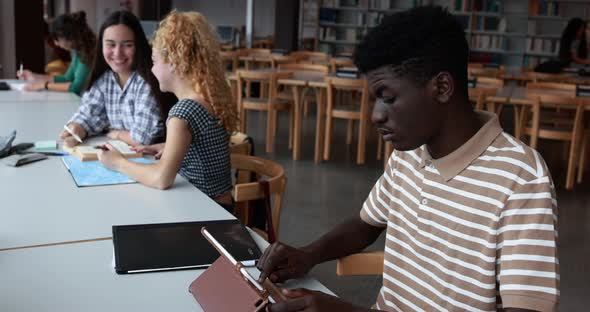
x,y
281,262
311,301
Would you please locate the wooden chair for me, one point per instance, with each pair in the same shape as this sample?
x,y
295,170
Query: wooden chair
x,y
353,111
245,190
336,62
268,102
255,57
532,122
484,88
310,57
486,72
303,68
230,60
239,143
364,263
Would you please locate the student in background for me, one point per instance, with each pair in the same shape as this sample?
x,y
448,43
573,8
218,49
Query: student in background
x,y
58,59
72,33
187,62
573,47
123,96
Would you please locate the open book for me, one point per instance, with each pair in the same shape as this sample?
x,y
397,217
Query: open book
x,y
87,153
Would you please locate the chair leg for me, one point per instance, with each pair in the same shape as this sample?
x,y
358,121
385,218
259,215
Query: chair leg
x,y
349,131
582,161
269,130
291,126
360,158
328,133
243,120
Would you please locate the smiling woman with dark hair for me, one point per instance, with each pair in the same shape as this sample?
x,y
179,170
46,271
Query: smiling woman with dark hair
x,y
468,210
123,96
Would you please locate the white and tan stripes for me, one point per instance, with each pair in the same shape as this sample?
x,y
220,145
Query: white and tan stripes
x,y
449,243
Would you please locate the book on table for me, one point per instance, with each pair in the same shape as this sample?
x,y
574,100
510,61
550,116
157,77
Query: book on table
x,y
89,153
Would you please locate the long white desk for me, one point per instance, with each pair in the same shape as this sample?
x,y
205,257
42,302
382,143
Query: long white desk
x,y
42,205
80,277
40,96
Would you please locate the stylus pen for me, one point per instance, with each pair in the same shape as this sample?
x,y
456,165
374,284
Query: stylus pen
x,y
72,133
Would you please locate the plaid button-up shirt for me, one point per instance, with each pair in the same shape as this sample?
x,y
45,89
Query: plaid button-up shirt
x,y
107,106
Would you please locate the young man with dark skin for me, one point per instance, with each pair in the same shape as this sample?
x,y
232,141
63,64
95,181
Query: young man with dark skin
x,y
468,210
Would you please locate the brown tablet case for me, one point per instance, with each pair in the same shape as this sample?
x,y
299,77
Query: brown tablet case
x,y
222,287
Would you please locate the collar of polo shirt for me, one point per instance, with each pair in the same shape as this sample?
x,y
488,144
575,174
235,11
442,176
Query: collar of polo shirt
x,y
452,164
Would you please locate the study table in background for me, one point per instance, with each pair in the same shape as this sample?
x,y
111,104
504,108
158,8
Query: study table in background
x,y
41,205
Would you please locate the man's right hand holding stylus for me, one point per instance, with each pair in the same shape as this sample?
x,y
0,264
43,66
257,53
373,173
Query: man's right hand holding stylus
x,y
281,262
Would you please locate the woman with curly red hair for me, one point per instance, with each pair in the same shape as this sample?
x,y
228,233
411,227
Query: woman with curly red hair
x,y
187,62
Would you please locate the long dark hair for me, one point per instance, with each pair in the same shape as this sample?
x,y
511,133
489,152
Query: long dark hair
x,y
73,27
142,60
568,36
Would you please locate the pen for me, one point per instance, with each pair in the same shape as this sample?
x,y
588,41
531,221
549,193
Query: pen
x,y
72,133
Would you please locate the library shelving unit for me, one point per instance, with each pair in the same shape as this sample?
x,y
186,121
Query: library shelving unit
x,y
309,11
515,33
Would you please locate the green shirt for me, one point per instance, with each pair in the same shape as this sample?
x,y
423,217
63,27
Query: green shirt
x,y
76,74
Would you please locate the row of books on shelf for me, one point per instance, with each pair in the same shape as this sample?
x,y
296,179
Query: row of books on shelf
x,y
490,23
363,4
543,8
532,61
370,19
489,42
538,45
478,5
347,34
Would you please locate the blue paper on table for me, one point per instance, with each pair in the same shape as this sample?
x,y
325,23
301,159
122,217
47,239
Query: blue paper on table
x,y
93,173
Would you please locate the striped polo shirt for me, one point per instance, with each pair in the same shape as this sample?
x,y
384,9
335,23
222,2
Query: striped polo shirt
x,y
475,230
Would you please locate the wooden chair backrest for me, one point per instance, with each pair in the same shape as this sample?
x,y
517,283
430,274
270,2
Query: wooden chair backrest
x,y
309,55
340,61
551,85
304,67
268,170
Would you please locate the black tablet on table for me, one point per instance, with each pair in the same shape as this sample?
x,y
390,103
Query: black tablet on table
x,y
175,246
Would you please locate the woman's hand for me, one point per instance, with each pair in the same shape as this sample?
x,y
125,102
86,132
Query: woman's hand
x,y
25,74
154,149
36,86
110,157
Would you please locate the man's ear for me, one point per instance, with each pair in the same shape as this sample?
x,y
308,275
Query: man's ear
x,y
444,85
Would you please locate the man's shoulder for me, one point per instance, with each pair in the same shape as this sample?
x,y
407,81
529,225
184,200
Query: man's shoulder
x,y
513,157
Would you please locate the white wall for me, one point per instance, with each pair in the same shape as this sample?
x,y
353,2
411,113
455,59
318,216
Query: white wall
x,y
233,13
98,10
7,40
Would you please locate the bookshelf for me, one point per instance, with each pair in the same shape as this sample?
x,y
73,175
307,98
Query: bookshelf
x,y
309,11
515,33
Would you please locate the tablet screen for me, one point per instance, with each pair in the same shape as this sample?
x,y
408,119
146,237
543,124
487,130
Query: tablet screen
x,y
169,246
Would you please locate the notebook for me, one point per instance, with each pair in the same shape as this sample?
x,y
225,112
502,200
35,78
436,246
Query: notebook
x,y
175,246
93,173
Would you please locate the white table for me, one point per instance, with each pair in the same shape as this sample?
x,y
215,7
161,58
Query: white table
x,y
41,96
80,277
42,205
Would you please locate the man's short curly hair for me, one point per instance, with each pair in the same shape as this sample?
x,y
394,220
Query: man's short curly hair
x,y
418,43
